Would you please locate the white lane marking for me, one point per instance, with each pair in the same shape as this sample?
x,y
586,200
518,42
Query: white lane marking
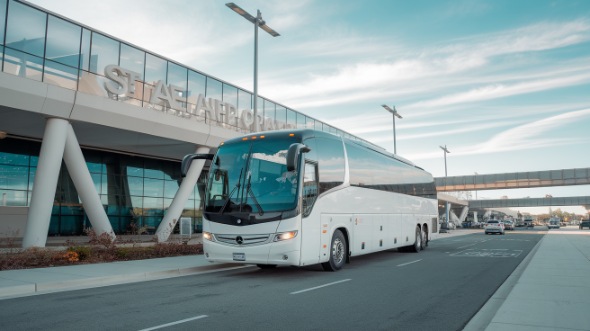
x,y
174,323
405,264
317,287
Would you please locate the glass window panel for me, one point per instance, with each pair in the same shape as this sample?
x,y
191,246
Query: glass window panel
x,y
244,100
170,188
104,52
281,117
13,198
155,69
135,185
97,181
22,64
214,89
14,159
26,29
196,85
230,95
134,171
32,172
60,75
132,59
291,119
177,76
85,50
63,42
153,187
2,20
318,125
153,206
14,177
301,120
269,115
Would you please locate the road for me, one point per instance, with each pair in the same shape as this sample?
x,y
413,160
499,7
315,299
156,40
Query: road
x,y
440,288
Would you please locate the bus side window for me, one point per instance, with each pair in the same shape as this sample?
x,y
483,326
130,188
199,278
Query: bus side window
x,y
310,186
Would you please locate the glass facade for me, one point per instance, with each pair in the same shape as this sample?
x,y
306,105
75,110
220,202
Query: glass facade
x,y
41,46
135,192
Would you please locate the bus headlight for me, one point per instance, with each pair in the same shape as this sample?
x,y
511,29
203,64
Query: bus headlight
x,y
285,235
208,236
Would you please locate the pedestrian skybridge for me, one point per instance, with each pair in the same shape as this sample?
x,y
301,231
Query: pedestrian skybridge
x,y
564,177
530,202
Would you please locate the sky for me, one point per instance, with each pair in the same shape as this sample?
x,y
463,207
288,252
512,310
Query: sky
x,y
503,84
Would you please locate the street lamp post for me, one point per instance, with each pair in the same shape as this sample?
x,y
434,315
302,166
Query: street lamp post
x,y
394,114
258,22
446,150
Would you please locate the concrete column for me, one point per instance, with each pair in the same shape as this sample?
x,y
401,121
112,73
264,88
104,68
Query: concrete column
x,y
184,191
74,160
43,195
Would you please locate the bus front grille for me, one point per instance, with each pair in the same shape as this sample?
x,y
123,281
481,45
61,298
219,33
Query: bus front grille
x,y
242,240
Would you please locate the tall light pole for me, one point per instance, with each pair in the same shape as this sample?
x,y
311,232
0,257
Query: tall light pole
x,y
258,22
394,114
445,150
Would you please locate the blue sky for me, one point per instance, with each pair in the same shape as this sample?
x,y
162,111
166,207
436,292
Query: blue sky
x,y
504,84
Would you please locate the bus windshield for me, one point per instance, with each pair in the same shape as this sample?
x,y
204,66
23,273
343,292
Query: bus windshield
x,y
251,177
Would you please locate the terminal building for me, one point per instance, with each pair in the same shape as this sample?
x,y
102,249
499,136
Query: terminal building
x,y
93,128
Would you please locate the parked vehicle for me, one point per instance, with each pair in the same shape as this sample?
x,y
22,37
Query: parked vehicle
x,y
494,226
585,224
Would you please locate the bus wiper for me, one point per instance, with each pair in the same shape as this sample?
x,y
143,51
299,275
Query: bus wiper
x,y
232,192
249,190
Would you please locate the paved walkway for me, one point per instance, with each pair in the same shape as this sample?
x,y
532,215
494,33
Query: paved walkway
x,y
550,290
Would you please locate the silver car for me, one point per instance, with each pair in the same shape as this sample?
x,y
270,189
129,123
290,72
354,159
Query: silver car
x,y
494,226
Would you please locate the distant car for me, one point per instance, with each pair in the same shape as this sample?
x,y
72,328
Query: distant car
x,y
508,225
553,224
494,226
585,224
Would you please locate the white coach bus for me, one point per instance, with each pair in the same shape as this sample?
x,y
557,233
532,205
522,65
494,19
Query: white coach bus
x,y
308,197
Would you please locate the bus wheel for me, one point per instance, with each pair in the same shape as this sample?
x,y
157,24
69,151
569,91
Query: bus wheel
x,y
418,243
266,266
424,238
338,251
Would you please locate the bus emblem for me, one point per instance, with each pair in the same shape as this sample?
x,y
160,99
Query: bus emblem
x,y
239,240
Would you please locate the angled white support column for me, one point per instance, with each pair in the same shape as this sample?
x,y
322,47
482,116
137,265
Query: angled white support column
x,y
74,160
184,191
50,156
464,212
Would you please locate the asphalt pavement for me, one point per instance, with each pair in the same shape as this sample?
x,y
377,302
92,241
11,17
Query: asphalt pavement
x,y
549,290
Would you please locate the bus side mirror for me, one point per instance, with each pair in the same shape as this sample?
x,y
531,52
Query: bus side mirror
x,y
188,159
293,155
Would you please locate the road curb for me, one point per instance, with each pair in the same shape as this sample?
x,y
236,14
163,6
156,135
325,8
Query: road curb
x,y
487,312
21,290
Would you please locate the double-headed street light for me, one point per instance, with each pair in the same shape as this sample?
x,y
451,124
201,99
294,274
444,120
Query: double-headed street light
x,y
258,22
394,114
445,150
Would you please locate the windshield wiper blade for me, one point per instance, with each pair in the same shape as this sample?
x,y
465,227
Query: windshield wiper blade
x,y
232,192
249,190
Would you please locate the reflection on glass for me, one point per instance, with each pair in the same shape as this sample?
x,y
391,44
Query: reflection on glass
x,y
23,64
60,75
85,50
63,42
104,51
132,59
26,29
214,89
2,20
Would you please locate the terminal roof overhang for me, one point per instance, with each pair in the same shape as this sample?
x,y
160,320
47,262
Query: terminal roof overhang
x,y
99,123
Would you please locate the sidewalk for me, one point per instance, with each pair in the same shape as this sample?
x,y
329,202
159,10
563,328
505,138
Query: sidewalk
x,y
550,289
